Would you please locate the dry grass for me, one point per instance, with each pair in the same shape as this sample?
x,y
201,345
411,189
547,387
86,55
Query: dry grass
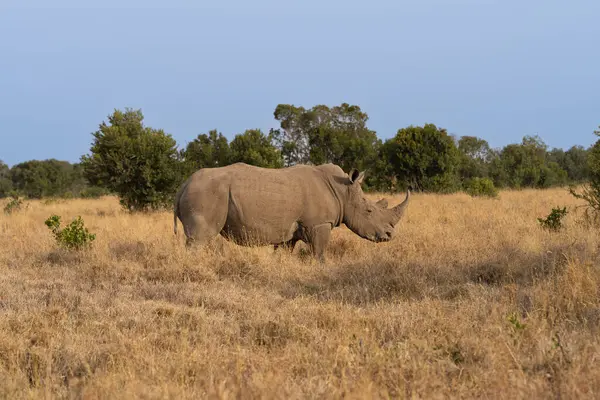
x,y
425,316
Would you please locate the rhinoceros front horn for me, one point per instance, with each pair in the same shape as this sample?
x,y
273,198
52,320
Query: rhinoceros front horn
x,y
400,208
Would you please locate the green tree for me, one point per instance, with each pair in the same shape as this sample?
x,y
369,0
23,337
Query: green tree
x,y
37,179
551,174
475,156
207,151
325,134
496,169
576,164
558,156
78,183
5,181
340,136
573,161
138,163
255,148
292,138
528,164
521,165
425,157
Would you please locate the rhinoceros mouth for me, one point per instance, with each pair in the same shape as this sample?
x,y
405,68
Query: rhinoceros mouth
x,y
386,237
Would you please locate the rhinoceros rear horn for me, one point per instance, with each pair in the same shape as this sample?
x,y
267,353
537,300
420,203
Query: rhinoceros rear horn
x,y
400,208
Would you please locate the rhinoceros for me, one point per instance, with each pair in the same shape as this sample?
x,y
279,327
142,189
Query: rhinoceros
x,y
263,206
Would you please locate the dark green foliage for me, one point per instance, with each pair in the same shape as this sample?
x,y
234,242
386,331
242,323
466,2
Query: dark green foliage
x,y
46,178
293,137
381,176
144,167
323,135
573,162
6,185
207,151
576,164
480,187
255,148
590,191
140,164
426,157
553,221
523,162
528,165
475,156
74,236
340,136
551,174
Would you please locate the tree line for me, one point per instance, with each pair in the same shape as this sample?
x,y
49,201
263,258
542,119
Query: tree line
x,y
144,166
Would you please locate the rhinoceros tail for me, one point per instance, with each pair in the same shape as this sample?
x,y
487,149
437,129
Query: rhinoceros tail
x,y
176,211
176,204
175,220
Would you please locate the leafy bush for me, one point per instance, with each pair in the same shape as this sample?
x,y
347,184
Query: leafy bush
x,y
13,205
590,193
480,187
73,236
553,221
138,163
426,157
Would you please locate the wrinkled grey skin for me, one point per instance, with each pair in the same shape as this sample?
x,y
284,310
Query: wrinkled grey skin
x,y
261,206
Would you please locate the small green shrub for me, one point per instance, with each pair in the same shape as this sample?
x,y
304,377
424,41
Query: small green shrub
x,y
516,325
553,221
590,193
480,187
15,204
74,236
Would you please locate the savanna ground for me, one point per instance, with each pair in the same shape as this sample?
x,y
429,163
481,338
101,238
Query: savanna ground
x,y
472,299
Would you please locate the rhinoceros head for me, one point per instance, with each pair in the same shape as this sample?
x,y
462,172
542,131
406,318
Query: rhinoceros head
x,y
368,219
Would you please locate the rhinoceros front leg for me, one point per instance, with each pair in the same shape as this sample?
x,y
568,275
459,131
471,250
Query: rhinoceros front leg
x,y
319,239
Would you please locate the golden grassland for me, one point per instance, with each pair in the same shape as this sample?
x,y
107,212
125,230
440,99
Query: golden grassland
x,y
472,299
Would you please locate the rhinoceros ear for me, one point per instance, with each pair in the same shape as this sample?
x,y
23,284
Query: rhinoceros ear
x,y
356,176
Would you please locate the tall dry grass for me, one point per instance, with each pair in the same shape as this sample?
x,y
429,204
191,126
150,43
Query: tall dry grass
x,y
472,299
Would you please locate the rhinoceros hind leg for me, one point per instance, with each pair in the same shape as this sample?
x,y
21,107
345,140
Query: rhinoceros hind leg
x,y
201,232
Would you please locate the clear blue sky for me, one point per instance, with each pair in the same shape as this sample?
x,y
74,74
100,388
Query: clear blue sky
x,y
494,69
